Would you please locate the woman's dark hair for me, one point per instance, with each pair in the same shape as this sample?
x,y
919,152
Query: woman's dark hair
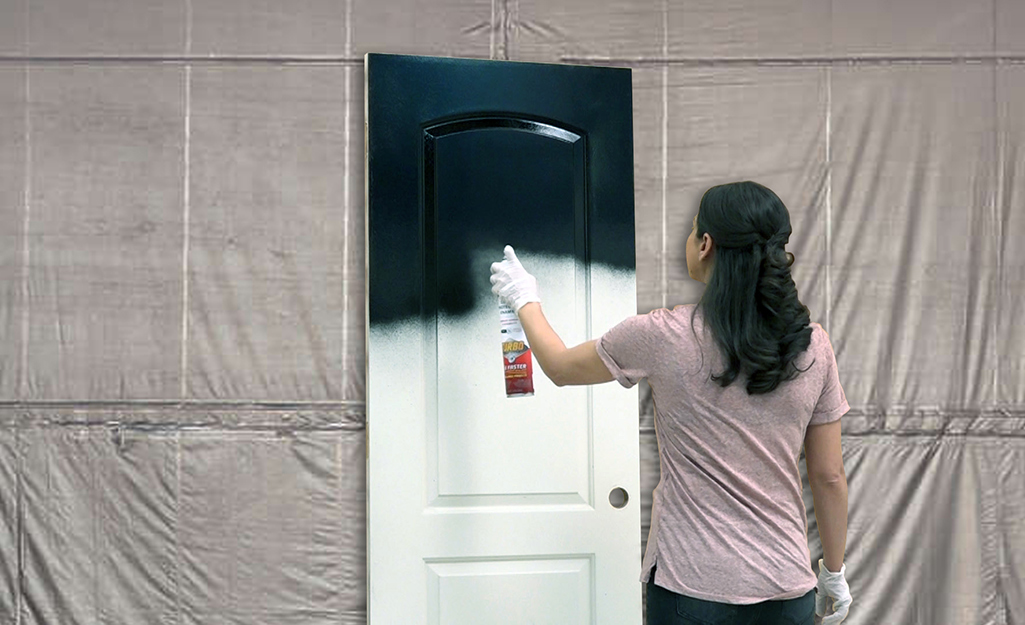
x,y
750,302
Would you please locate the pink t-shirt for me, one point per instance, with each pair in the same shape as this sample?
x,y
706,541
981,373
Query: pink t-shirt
x,y
728,521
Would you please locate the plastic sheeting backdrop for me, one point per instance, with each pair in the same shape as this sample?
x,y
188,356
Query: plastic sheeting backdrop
x,y
181,280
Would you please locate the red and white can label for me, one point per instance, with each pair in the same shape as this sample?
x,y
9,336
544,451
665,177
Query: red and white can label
x,y
519,374
516,358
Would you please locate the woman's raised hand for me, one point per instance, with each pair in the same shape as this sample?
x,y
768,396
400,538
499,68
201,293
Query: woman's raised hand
x,y
512,283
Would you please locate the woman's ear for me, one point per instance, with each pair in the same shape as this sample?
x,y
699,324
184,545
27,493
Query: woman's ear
x,y
707,245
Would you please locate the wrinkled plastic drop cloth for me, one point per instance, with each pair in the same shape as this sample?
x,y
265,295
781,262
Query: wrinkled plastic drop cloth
x,y
181,281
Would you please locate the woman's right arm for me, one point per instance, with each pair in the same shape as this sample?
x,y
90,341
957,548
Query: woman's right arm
x,y
831,516
824,458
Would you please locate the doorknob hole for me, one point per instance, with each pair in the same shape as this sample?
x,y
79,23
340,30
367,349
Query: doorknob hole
x,y
618,497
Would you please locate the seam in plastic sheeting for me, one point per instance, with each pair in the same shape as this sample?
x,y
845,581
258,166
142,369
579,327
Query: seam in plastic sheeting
x,y
665,155
346,201
1003,474
980,59
162,404
996,198
501,25
19,510
26,222
934,423
1006,422
186,219
991,517
186,205
491,34
214,60
171,420
829,198
973,59
177,530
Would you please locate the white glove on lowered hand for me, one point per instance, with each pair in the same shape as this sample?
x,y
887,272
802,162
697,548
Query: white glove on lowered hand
x,y
512,283
832,586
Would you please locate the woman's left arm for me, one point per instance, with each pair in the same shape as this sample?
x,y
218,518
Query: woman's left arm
x,y
565,367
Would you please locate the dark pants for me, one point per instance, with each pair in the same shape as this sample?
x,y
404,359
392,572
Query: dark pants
x,y
666,607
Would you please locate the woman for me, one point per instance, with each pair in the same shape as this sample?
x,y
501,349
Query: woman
x,y
728,538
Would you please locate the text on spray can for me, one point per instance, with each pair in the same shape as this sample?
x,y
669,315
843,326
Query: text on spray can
x,y
519,376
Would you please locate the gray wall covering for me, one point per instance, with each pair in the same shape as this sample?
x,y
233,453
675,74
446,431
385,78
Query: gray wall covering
x,y
182,290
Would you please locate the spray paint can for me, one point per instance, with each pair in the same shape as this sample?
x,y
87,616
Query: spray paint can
x,y
519,375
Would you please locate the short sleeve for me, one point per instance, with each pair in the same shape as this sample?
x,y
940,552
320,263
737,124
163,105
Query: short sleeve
x,y
832,403
629,349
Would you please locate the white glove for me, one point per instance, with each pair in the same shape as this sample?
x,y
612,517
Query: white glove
x,y
832,586
512,283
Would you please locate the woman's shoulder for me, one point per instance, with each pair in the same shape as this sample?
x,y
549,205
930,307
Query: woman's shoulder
x,y
820,345
818,333
679,309
679,315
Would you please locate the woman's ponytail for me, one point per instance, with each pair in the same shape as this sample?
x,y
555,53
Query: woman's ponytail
x,y
751,302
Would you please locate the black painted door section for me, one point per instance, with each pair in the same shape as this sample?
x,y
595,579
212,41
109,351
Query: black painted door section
x,y
480,508
473,153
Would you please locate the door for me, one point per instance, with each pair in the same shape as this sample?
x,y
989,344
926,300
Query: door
x,y
484,509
